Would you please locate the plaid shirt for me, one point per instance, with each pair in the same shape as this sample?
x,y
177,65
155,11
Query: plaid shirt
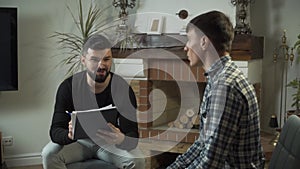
x,y
230,127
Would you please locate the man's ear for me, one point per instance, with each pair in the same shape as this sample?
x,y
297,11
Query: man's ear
x,y
204,42
82,59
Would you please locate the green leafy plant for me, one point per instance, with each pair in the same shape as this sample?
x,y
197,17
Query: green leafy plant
x,y
71,43
297,48
295,84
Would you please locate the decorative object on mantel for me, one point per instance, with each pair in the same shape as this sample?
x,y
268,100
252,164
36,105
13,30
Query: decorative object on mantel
x,y
123,32
273,123
183,14
242,9
285,54
123,4
155,25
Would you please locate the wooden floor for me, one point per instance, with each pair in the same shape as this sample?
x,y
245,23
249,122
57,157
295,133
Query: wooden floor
x,y
40,167
28,167
268,148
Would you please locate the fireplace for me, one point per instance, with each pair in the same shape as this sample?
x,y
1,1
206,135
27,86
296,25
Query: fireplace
x,y
165,95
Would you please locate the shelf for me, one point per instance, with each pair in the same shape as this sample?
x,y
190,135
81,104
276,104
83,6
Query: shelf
x,y
244,47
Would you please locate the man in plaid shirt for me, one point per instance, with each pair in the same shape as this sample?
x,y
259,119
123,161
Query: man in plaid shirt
x,y
230,125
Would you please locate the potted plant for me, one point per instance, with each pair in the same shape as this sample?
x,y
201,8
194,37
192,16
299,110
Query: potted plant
x,y
295,84
71,43
297,48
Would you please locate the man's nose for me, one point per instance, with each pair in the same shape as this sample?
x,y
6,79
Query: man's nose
x,y
100,63
185,48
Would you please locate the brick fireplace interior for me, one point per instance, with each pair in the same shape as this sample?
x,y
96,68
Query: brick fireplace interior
x,y
160,101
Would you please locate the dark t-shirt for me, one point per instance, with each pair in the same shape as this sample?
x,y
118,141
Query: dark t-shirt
x,y
74,94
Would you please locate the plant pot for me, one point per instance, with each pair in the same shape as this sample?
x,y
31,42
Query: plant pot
x,y
293,112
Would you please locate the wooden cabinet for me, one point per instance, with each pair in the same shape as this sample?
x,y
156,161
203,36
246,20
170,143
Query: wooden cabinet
x,y
247,47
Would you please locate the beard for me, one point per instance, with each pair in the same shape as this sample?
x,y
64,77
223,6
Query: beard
x,y
99,78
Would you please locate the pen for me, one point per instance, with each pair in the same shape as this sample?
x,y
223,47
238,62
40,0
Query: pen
x,y
69,113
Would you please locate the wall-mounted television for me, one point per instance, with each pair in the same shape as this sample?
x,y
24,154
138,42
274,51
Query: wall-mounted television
x,y
8,48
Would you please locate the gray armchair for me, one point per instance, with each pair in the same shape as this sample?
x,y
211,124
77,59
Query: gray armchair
x,y
286,154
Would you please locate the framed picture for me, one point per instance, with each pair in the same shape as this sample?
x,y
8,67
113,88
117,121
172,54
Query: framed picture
x,y
155,26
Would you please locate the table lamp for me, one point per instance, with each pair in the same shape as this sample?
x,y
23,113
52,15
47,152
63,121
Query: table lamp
x,y
273,123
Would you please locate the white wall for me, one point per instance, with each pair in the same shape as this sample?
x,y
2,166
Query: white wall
x,y
269,18
26,114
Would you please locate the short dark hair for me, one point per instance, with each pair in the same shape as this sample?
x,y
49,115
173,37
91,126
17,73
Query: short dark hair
x,y
96,42
217,27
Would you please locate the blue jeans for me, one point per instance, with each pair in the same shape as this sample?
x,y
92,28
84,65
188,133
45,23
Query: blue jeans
x,y
74,156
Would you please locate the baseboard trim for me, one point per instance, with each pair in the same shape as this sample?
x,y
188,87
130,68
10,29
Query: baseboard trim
x,y
23,160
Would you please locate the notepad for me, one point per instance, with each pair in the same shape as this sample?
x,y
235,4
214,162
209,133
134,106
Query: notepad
x,y
86,123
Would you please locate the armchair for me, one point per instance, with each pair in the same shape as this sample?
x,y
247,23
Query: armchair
x,y
286,154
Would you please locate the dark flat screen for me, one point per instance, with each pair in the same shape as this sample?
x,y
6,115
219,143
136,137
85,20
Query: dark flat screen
x,y
8,49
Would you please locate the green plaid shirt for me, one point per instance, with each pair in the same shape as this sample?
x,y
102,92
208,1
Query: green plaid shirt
x,y
230,127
